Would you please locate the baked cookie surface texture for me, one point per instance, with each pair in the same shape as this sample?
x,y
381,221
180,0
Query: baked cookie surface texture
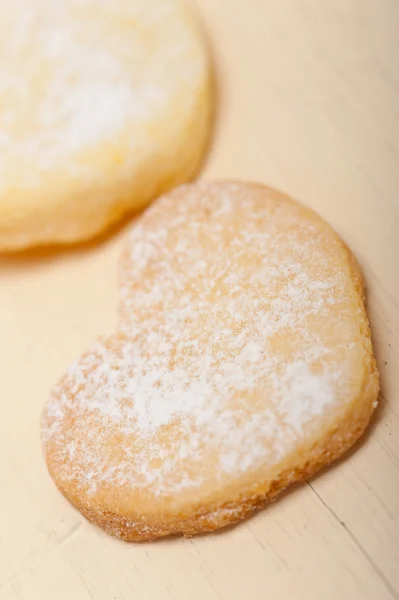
x,y
104,104
242,362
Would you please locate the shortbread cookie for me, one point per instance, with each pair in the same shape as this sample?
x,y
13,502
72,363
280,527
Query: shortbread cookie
x,y
242,363
104,104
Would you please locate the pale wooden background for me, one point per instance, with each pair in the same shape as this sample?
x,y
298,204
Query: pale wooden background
x,y
309,103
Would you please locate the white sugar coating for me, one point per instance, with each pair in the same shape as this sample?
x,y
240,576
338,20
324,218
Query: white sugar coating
x,y
235,340
76,74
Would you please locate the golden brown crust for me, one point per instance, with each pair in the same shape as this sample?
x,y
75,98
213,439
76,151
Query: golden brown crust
x,y
342,395
316,456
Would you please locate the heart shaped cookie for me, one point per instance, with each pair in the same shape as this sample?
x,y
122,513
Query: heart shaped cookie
x,y
242,362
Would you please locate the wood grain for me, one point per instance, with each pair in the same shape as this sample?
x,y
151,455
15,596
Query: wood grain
x,y
308,103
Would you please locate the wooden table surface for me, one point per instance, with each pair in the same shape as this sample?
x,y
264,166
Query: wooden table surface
x,y
309,103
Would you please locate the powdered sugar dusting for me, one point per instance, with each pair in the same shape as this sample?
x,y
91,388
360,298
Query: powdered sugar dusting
x,y
234,339
76,75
